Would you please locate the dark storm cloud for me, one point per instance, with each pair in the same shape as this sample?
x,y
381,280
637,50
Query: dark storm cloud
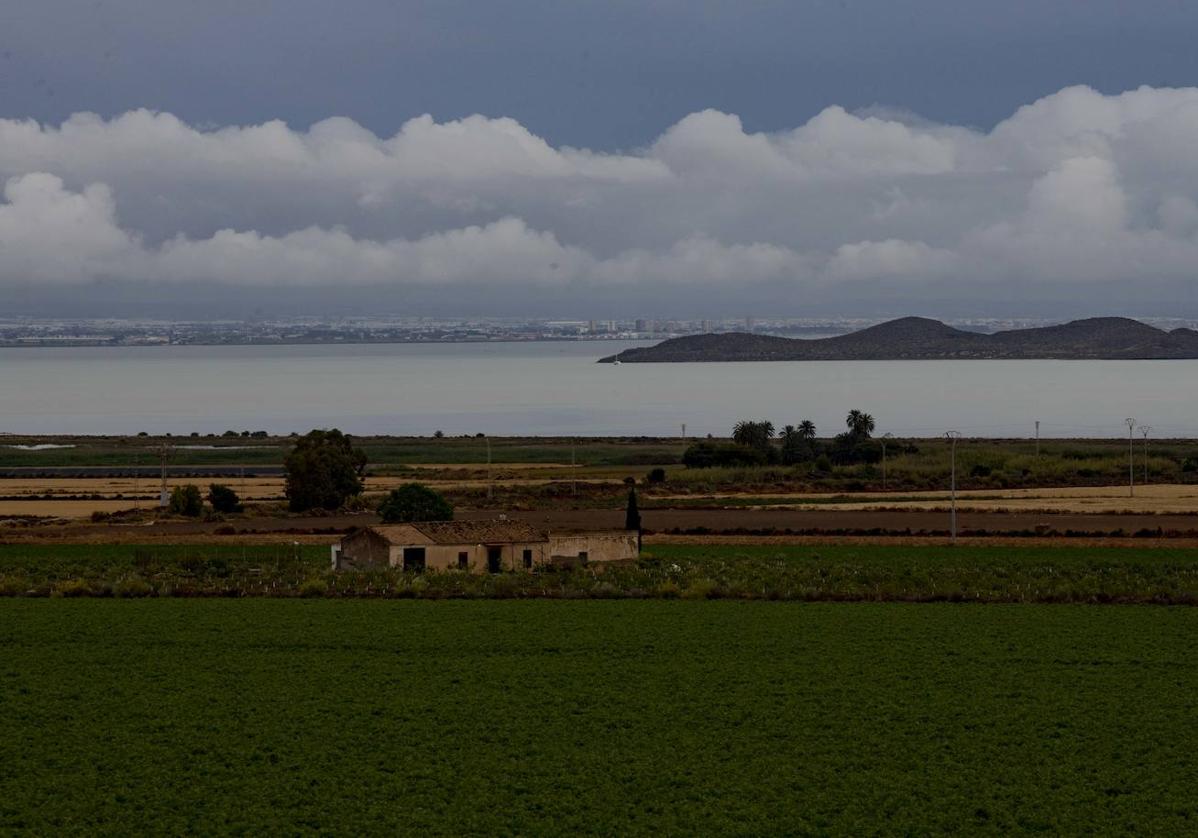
x,y
596,73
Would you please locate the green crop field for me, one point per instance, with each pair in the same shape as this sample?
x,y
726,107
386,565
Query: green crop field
x,y
913,464
269,716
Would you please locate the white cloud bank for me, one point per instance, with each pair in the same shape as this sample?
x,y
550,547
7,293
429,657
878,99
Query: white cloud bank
x,y
1077,187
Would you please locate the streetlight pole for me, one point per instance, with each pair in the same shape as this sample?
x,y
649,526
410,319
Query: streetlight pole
x,y
953,436
885,437
1145,430
1131,456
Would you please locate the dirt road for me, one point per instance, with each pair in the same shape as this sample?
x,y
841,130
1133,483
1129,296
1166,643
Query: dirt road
x,y
672,523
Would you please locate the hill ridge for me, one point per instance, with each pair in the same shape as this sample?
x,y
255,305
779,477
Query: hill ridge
x,y
922,338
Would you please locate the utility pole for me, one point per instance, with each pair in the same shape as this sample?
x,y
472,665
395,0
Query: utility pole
x,y
488,468
885,437
953,436
684,432
1037,438
573,469
164,452
1145,430
1131,456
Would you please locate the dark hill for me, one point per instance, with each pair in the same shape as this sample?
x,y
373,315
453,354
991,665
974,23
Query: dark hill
x,y
918,338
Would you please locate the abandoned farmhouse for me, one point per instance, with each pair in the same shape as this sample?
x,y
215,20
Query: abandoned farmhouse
x,y
479,547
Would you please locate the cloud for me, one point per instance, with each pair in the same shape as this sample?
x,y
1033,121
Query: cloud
x,y
49,234
1076,187
889,259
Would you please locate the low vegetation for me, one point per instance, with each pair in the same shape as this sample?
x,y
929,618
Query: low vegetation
x,y
825,573
602,718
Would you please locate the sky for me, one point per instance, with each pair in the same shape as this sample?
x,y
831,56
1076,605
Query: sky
x,y
654,158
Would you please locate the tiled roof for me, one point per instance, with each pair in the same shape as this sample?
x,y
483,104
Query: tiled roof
x,y
465,532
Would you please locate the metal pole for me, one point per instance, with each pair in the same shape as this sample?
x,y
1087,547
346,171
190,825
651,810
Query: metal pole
x,y
1131,457
885,437
952,435
1145,429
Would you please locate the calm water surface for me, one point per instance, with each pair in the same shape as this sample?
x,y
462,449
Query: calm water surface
x,y
556,388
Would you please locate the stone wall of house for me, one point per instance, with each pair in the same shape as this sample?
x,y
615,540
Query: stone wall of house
x,y
367,549
447,556
605,546
361,550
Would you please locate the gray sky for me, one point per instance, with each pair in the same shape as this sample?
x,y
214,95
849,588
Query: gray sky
x,y
602,74
760,155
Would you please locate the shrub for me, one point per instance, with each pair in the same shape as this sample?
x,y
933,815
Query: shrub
x,y
132,586
71,588
717,455
1189,465
186,500
699,589
223,499
980,471
657,475
414,502
313,587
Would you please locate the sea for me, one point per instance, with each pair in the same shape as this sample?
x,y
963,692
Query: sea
x,y
551,388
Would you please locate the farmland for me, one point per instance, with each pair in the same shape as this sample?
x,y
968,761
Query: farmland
x,y
825,572
594,717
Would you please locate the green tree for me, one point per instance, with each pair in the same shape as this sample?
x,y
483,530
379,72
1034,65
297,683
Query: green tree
x,y
186,500
324,470
753,434
860,424
414,502
632,517
798,444
223,499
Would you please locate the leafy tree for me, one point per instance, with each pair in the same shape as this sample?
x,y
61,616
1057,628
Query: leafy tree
x,y
324,469
186,500
223,499
710,454
414,502
860,424
847,449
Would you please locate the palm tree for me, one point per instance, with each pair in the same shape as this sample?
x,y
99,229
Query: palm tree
x,y
753,434
806,429
860,424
